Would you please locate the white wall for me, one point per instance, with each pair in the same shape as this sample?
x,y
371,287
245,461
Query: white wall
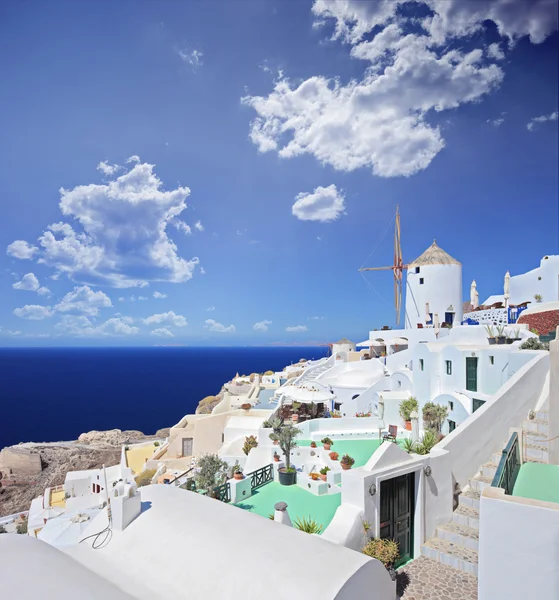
x,y
442,289
553,403
518,549
486,430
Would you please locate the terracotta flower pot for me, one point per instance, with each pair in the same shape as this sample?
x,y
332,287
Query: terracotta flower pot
x,y
327,446
238,476
276,443
314,477
408,425
313,444
345,466
323,476
276,458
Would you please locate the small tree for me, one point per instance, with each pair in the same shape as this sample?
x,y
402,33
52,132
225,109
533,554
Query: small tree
x,y
212,471
287,438
407,407
22,527
250,443
3,529
434,416
534,343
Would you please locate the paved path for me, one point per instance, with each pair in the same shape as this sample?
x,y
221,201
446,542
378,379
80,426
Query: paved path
x,y
425,579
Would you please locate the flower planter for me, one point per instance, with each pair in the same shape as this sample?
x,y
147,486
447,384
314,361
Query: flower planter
x,y
333,455
286,477
345,466
313,444
491,341
327,446
501,340
314,476
408,425
510,340
323,477
238,476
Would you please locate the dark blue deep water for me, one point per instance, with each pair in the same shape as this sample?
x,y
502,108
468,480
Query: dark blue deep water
x,y
54,394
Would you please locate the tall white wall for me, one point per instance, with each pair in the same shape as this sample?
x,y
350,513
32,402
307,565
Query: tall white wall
x,y
553,408
441,288
518,550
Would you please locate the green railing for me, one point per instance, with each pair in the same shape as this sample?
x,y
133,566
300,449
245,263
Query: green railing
x,y
222,492
261,476
509,466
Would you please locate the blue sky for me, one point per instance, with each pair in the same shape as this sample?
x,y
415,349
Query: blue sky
x,y
216,172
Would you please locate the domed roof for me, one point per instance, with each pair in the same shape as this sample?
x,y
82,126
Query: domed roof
x,y
434,256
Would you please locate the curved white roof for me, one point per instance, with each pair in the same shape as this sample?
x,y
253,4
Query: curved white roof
x,y
308,392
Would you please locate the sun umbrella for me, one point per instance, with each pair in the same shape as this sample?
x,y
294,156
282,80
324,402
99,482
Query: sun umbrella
x,y
507,288
380,415
473,294
414,417
427,313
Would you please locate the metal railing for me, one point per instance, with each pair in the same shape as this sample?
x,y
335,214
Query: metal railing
x,y
261,476
222,492
509,466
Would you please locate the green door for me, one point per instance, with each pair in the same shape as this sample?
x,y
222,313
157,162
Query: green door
x,y
397,500
471,374
477,404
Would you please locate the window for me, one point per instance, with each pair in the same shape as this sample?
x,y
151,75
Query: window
x,y
421,364
491,360
448,367
451,405
451,426
477,404
421,280
417,269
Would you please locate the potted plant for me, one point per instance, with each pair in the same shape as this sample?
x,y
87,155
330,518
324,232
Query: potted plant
x,y
347,462
333,455
406,408
500,337
276,457
490,335
516,334
250,443
384,550
287,438
408,445
238,472
313,444
246,406
314,476
327,443
324,473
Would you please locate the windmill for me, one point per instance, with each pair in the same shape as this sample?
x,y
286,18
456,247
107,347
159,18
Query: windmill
x,y
397,268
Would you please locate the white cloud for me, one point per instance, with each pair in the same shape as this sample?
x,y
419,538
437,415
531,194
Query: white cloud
x,y
122,299
198,225
210,308
215,326
168,318
380,121
21,249
124,242
191,57
494,51
159,295
83,300
33,312
536,120
44,291
181,226
296,328
202,271
133,159
316,318
323,204
107,169
29,282
82,326
262,325
498,121
163,332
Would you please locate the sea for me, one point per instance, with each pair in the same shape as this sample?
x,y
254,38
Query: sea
x,y
54,394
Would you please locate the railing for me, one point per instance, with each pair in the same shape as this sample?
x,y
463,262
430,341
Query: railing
x,y
222,492
261,476
176,481
509,466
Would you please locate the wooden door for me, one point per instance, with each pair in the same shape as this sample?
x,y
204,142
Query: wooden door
x,y
471,374
187,446
397,505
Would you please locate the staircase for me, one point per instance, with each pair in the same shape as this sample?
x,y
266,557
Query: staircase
x,y
456,542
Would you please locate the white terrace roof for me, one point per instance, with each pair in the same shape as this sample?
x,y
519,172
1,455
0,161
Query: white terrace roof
x,y
307,392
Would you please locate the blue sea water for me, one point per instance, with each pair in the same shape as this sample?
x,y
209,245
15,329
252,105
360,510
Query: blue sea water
x,y
54,394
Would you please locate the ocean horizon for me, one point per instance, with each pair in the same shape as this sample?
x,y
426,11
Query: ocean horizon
x,y
56,393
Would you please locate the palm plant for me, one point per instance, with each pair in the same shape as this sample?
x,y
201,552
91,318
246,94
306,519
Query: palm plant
x,y
409,445
426,443
308,525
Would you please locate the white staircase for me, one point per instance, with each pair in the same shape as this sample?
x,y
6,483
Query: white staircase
x,y
456,542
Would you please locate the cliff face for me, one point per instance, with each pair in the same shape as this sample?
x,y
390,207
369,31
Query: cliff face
x,y
27,469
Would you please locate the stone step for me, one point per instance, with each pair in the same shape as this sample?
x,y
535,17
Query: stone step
x,y
459,535
466,516
535,421
530,426
536,454
537,460
496,458
538,444
469,497
480,482
451,554
489,469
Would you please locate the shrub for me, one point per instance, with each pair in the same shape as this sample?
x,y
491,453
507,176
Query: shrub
x,y
407,407
327,440
156,444
408,445
236,468
348,460
324,470
22,527
250,443
534,344
308,525
538,297
427,442
434,416
384,550
212,471
145,477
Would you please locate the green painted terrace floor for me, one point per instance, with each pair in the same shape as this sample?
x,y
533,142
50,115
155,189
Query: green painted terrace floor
x,y
300,503
538,482
360,450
